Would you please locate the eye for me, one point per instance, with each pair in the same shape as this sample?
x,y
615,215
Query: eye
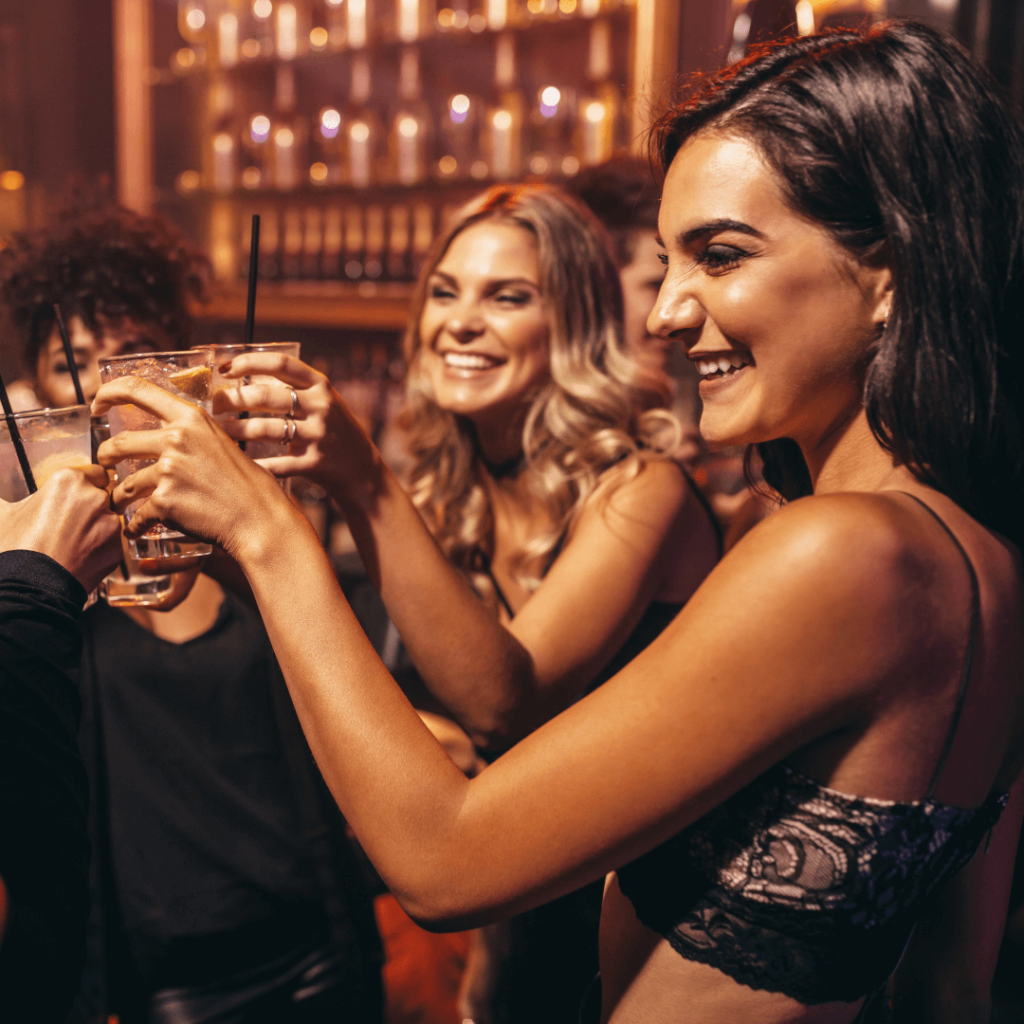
x,y
440,291
663,258
719,257
512,298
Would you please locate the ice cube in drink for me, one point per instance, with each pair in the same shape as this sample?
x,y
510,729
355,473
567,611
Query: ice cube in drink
x,y
54,439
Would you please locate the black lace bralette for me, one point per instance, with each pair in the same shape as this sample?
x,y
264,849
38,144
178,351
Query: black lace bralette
x,y
789,886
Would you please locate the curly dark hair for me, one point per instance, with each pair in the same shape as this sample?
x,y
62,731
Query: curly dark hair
x,y
103,263
625,198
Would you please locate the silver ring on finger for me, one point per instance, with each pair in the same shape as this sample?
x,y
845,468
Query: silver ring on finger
x,y
295,402
290,428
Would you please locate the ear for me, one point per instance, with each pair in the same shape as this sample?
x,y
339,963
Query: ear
x,y
882,294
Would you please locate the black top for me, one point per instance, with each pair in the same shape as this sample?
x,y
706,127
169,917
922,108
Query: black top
x,y
789,886
219,847
44,852
202,831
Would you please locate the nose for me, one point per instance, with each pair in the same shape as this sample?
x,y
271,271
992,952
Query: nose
x,y
465,320
677,311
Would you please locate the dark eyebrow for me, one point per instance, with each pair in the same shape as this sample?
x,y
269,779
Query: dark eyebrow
x,y
713,227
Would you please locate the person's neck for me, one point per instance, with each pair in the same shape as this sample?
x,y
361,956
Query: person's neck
x,y
192,618
848,457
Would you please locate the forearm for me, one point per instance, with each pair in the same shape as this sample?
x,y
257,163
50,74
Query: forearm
x,y
365,736
468,660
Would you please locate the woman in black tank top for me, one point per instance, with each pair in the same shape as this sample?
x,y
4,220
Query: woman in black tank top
x,y
798,772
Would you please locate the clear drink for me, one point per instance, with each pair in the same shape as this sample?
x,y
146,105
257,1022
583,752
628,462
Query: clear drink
x,y
53,439
128,587
221,354
186,375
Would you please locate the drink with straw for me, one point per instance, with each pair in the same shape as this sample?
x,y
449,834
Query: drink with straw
x,y
52,439
188,376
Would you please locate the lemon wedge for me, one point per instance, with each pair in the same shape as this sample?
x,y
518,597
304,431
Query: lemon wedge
x,y
194,382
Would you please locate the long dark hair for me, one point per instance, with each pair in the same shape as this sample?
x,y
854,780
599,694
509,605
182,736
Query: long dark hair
x,y
897,143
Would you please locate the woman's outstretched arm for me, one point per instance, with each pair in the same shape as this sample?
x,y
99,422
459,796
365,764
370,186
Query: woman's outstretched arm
x,y
789,640
499,681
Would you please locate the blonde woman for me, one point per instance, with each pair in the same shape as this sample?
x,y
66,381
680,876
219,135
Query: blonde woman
x,y
540,484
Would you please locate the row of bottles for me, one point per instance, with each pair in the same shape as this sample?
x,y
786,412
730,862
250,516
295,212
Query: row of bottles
x,y
227,32
340,242
466,137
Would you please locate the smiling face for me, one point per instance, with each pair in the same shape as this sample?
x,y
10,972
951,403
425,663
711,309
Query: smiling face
x,y
484,331
53,378
779,319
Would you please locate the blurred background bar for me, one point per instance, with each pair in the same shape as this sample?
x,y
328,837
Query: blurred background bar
x,y
353,126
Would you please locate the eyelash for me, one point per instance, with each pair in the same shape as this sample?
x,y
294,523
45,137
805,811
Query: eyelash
x,y
726,257
663,258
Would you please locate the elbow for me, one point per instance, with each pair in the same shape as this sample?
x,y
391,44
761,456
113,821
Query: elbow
x,y
441,912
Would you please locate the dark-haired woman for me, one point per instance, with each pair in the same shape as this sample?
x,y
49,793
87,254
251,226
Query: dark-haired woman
x,y
806,761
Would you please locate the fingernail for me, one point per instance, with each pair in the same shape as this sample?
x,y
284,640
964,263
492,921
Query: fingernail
x,y
225,367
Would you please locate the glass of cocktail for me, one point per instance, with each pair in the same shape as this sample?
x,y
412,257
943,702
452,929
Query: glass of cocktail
x,y
263,449
53,439
186,375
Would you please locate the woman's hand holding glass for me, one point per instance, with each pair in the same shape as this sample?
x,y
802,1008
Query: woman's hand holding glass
x,y
200,482
327,443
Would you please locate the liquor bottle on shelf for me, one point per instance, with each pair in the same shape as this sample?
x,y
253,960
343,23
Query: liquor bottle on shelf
x,y
334,235
312,241
259,39
552,120
601,109
422,235
227,37
399,238
460,138
410,127
287,134
220,169
291,248
373,249
256,170
537,10
193,21
354,242
330,16
291,28
413,19
327,149
503,130
359,23
362,129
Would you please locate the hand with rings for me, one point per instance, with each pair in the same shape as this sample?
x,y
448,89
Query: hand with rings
x,y
321,438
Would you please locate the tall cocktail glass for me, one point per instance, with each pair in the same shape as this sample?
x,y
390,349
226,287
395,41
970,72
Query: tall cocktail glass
x,y
186,375
221,354
53,438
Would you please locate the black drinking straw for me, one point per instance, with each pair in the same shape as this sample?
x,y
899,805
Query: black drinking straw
x,y
69,354
12,426
254,265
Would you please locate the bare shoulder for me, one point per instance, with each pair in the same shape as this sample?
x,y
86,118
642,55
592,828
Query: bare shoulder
x,y
838,548
657,489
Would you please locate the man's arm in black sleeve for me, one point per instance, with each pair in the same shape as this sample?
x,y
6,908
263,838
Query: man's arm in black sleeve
x,y
44,851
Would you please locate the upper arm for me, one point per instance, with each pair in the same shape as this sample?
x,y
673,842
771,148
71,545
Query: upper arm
x,y
786,641
597,589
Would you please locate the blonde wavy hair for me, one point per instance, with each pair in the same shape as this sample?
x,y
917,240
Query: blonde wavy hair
x,y
599,410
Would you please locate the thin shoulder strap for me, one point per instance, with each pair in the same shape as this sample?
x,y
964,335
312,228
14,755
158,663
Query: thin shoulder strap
x,y
702,500
965,674
485,564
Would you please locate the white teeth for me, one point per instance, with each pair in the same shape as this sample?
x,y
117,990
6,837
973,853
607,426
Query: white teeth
x,y
468,361
723,365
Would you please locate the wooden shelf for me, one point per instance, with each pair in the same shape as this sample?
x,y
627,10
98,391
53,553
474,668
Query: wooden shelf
x,y
383,306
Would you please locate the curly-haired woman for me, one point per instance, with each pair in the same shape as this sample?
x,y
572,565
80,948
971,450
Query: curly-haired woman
x,y
123,281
